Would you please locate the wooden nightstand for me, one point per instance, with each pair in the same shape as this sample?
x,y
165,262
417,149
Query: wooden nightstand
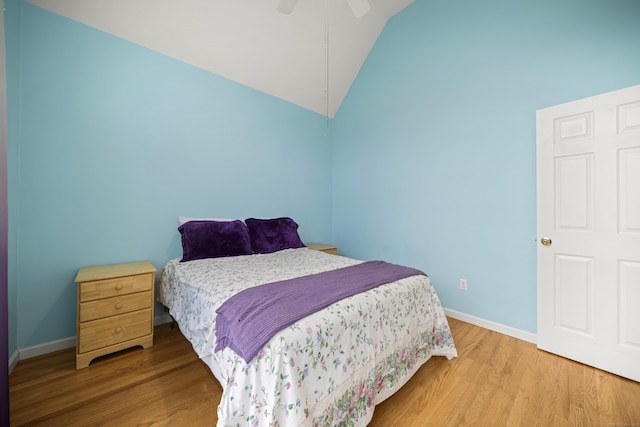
x,y
115,309
323,247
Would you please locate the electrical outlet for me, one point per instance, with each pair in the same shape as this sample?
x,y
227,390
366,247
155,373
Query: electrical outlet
x,y
463,284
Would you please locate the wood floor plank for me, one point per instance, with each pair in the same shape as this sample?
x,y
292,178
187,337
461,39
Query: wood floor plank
x,y
495,380
153,401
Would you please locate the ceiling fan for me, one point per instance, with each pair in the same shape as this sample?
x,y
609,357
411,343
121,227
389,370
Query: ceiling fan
x,y
358,7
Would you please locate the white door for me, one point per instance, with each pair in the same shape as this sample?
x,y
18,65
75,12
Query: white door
x,y
588,154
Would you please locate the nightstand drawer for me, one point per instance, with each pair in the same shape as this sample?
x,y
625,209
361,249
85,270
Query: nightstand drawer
x,y
112,330
115,305
97,289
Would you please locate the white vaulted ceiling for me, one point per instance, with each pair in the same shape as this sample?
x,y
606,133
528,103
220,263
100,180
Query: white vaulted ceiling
x,y
309,56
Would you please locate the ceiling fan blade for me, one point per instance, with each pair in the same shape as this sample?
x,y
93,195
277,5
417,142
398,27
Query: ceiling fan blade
x,y
359,7
287,6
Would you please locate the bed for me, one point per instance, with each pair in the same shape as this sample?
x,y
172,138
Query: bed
x,y
329,368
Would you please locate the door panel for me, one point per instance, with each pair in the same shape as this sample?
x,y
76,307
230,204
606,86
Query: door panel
x,y
629,297
629,179
574,192
574,293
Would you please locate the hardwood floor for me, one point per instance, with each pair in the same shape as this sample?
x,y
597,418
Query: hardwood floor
x,y
495,381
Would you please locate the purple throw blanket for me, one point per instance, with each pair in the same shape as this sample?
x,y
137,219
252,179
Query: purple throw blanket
x,y
247,320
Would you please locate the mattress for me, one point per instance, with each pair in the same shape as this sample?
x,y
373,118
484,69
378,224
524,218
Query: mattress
x,y
329,368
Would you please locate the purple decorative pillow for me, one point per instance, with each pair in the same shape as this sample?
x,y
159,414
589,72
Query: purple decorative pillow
x,y
214,239
271,235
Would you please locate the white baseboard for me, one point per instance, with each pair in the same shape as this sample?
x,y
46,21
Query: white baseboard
x,y
164,318
13,361
493,326
50,347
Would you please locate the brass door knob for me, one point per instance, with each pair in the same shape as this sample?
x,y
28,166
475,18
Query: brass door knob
x,y
545,241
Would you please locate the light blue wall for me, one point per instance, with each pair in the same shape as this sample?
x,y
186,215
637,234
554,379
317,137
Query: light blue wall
x,y
434,146
116,141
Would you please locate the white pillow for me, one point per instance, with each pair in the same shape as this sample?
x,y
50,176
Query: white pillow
x,y
183,219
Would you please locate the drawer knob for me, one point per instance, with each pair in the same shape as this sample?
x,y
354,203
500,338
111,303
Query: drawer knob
x,y
118,330
118,306
118,287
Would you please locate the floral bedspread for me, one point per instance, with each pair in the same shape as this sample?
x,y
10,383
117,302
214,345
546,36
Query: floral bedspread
x,y
328,369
